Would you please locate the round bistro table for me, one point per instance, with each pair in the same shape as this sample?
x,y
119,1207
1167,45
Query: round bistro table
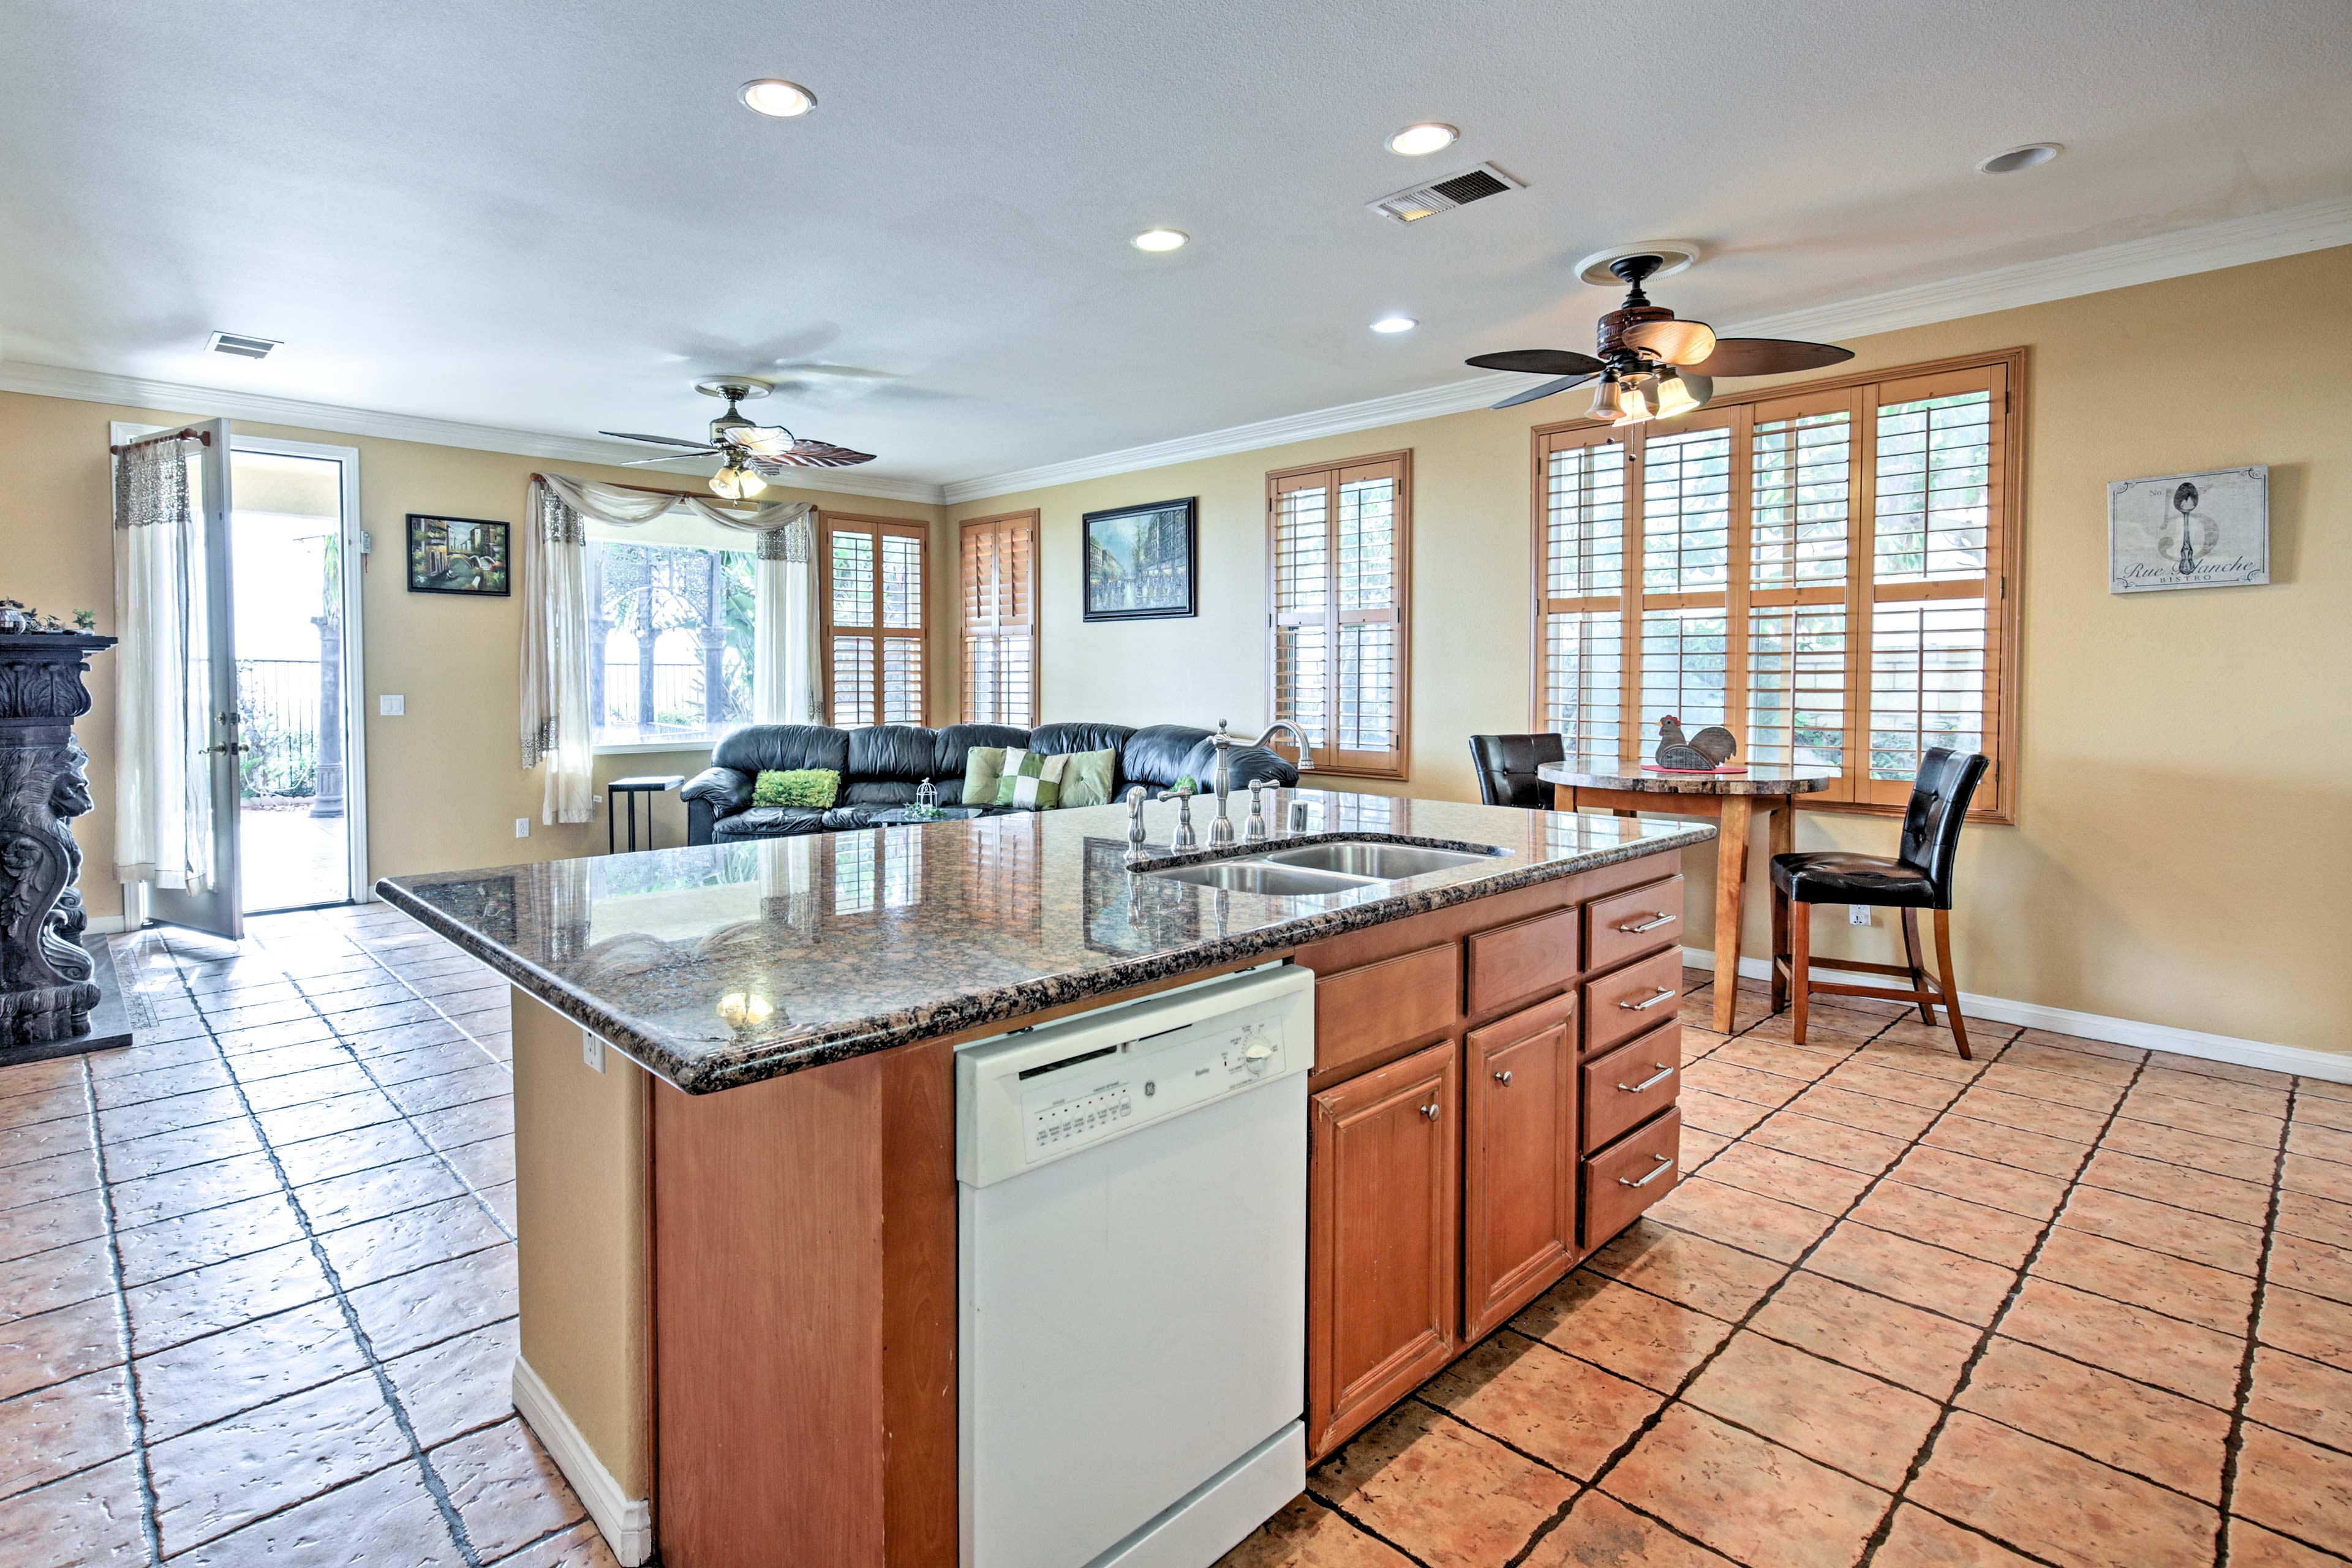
x,y
1733,801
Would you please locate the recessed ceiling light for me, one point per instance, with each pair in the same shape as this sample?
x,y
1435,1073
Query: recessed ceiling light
x,y
2032,155
1396,324
1160,240
1419,141
776,98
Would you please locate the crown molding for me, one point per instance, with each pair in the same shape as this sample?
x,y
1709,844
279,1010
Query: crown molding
x,y
2206,247
181,399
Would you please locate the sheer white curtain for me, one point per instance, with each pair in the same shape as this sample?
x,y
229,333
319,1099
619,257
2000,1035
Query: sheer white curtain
x,y
557,728
163,795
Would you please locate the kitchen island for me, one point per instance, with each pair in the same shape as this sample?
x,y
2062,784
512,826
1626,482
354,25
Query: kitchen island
x,y
735,1123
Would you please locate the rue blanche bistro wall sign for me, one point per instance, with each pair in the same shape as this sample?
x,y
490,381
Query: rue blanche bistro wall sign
x,y
2189,531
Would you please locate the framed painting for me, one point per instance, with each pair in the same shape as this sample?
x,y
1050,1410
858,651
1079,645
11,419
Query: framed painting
x,y
1141,561
2189,531
458,555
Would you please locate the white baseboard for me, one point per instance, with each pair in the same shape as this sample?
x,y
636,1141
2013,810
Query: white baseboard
x,y
627,1522
2329,1065
106,925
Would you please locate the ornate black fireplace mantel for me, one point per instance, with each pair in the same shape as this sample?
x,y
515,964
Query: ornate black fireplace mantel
x,y
49,982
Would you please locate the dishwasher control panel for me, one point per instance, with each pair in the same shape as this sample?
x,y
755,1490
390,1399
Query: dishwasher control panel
x,y
1046,1093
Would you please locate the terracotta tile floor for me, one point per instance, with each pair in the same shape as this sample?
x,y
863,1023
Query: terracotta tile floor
x,y
256,1277
2068,1304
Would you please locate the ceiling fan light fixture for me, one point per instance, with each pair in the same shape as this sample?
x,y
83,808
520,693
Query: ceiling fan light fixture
x,y
1158,240
1606,402
776,98
1420,139
1674,394
1633,405
733,483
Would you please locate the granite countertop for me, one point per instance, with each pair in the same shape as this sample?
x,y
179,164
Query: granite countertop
x,y
724,965
1761,778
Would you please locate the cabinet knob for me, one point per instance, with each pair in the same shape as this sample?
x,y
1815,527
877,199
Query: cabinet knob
x,y
1430,1112
1504,1077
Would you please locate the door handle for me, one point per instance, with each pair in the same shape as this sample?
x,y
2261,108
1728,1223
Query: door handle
x,y
1663,1073
1665,1164
1652,924
232,748
1663,992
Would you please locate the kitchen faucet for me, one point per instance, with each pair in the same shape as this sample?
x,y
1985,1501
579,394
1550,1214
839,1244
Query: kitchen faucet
x,y
1221,827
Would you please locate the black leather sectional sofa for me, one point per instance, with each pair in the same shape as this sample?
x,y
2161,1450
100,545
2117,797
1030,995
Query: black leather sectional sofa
x,y
880,767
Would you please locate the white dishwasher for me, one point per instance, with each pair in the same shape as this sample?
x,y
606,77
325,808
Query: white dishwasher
x,y
1132,1277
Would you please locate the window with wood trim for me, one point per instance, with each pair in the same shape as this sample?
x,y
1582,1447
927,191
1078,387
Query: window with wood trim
x,y
1828,570
875,570
1339,548
996,574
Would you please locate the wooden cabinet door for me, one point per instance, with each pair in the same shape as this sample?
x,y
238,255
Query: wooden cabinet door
x,y
1382,1155
1519,1160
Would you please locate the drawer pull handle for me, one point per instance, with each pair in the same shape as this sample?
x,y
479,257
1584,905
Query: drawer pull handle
x,y
1504,1077
1430,1112
1665,1164
1652,924
1663,992
1663,1073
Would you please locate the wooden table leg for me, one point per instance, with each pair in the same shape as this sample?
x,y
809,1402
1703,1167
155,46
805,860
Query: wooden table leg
x,y
1730,884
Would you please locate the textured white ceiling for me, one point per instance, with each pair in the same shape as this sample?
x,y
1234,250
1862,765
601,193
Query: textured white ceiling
x,y
554,217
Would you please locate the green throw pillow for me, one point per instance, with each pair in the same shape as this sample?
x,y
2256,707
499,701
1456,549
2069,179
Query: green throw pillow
x,y
1085,780
814,787
1031,781
982,766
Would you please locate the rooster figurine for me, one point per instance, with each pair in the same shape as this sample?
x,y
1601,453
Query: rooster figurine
x,y
1708,750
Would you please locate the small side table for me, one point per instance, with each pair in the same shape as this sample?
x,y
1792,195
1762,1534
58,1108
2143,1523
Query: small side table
x,y
627,790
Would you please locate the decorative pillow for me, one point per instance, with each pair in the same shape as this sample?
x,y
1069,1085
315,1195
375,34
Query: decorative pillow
x,y
816,788
982,764
1086,777
1031,781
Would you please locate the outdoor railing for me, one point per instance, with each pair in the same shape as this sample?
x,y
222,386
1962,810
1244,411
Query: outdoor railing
x,y
278,703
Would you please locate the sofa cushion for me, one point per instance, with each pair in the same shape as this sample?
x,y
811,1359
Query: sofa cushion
x,y
891,752
814,787
1089,777
1031,781
769,822
1157,755
879,793
951,748
774,748
724,789
983,765
1061,740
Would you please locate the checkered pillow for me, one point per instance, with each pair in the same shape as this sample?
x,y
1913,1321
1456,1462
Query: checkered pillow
x,y
1029,781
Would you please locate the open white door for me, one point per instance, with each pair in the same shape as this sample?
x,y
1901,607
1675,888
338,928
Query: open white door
x,y
219,906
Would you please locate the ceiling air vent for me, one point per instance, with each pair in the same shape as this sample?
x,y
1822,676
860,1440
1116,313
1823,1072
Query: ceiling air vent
x,y
1444,195
241,346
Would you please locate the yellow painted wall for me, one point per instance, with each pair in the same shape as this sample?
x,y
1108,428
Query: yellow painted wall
x,y
2184,822
445,781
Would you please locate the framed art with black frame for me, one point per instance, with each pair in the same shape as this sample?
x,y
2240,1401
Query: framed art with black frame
x,y
1141,562
459,555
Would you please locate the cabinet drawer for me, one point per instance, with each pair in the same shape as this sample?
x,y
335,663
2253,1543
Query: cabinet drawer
x,y
1638,997
1360,1012
1630,1175
1513,962
1626,924
1631,1084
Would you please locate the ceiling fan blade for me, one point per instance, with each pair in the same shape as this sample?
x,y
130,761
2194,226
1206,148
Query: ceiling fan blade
x,y
1674,342
670,458
762,437
807,454
1544,389
1537,361
1768,356
658,440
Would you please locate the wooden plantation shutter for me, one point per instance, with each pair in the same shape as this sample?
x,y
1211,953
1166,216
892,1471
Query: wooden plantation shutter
x,y
996,565
1825,570
1338,545
873,595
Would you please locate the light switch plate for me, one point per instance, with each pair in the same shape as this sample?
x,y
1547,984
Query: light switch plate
x,y
523,827
390,705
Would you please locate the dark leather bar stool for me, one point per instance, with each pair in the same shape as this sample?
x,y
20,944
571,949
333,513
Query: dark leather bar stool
x,y
1507,768
1918,877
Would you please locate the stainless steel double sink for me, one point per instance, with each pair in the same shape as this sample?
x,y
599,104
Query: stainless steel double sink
x,y
1335,866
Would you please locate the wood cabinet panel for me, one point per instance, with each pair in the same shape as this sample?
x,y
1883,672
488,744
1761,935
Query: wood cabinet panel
x,y
1360,1013
1619,1005
1382,1239
1626,1086
1519,1155
1520,961
1634,922
1630,1175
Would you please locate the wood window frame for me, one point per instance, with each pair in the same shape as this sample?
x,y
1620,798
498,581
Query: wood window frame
x,y
880,527
1395,765
1997,803
998,626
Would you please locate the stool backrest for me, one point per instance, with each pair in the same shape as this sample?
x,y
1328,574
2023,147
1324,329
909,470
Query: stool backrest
x,y
1507,767
1932,821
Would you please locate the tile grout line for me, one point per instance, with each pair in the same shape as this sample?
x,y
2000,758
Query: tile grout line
x,y
434,1485
136,1414
2233,1446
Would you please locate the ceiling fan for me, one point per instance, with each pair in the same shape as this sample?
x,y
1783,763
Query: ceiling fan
x,y
1653,365
753,453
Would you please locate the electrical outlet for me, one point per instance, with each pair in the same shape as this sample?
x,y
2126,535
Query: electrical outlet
x,y
592,1051
392,705
523,827
1858,915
